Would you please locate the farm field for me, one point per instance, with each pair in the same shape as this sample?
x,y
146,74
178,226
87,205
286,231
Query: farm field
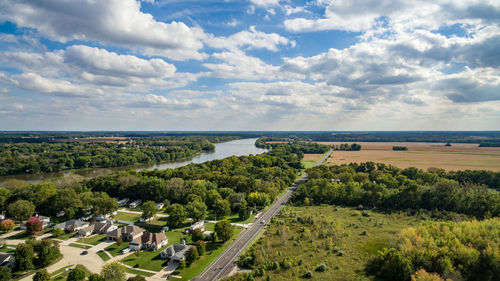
x,y
310,159
460,156
355,237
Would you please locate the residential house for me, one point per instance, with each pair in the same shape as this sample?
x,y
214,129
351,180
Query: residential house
x,y
149,241
159,206
45,221
135,203
176,252
126,233
123,202
72,225
198,225
6,260
60,214
97,228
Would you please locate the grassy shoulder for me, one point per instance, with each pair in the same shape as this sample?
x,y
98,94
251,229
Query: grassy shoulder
x,y
343,239
213,251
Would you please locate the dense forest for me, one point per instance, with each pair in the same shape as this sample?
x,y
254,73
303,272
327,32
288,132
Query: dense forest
x,y
230,185
80,153
391,188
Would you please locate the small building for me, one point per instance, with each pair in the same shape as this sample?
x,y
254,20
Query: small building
x,y
45,221
97,228
60,214
135,203
198,225
123,202
176,252
146,220
72,225
6,260
159,206
149,241
126,233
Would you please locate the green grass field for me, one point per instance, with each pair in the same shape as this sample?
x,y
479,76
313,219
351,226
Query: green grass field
x,y
116,249
138,272
342,238
131,217
94,240
149,260
103,255
308,164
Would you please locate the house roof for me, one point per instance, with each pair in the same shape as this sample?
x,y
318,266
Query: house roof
x,y
128,229
150,238
177,250
4,257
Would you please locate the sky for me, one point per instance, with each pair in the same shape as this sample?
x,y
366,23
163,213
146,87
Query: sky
x,y
249,65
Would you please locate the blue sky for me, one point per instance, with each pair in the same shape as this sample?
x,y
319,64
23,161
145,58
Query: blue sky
x,y
249,65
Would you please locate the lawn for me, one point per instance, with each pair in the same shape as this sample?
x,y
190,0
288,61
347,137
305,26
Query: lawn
x,y
103,255
138,272
235,218
122,216
342,238
149,260
80,246
116,249
66,236
308,164
213,251
4,249
63,276
161,221
94,240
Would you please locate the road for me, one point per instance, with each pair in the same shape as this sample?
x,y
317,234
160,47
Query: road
x,y
224,264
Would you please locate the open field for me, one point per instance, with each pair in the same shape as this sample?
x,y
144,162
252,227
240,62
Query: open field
x,y
460,156
344,239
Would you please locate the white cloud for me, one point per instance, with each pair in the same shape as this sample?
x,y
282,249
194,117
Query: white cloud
x,y
251,39
115,22
265,3
400,15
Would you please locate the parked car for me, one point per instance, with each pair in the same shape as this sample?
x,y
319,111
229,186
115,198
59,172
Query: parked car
x,y
84,253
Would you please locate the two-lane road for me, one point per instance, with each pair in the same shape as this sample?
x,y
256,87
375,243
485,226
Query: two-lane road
x,y
223,265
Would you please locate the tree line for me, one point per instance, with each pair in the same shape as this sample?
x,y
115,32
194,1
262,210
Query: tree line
x,y
391,188
54,156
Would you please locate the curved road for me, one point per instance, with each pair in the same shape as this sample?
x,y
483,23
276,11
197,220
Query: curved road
x,y
224,264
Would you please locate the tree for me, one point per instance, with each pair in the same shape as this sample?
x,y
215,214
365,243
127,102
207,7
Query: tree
x,y
6,225
57,232
197,234
103,204
177,215
96,277
4,196
224,230
200,245
222,208
21,209
33,226
196,210
76,274
212,197
41,275
244,212
258,199
24,256
192,255
113,272
148,210
5,273
47,253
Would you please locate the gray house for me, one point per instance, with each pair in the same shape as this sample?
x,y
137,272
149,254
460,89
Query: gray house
x,y
72,225
176,252
126,233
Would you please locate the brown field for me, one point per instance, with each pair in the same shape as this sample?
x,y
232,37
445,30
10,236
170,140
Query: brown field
x,y
460,156
311,157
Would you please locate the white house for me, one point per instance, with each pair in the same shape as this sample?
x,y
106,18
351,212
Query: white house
x,y
135,203
198,225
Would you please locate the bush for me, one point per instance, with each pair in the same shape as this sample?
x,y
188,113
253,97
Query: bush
x,y
321,268
76,274
182,264
57,232
6,225
308,274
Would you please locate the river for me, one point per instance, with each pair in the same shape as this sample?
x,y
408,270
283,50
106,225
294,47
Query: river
x,y
240,147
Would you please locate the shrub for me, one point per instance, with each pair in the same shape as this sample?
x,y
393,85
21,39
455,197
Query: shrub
x,y
182,264
321,268
57,232
308,274
6,225
33,226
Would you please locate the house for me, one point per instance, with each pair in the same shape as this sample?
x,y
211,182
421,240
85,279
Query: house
x,y
149,242
176,252
198,225
97,228
146,220
6,260
126,233
123,202
60,214
72,225
159,206
135,203
45,221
